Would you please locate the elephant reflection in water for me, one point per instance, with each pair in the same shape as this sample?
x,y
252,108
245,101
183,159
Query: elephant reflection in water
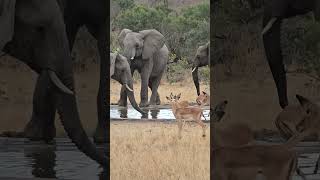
x,y
154,113
43,161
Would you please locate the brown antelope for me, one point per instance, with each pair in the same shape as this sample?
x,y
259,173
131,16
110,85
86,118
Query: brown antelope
x,y
275,162
182,114
296,118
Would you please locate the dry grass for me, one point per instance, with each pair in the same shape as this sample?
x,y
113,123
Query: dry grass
x,y
188,91
150,151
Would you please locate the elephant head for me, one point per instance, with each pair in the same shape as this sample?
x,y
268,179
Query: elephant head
x,y
40,40
143,43
201,59
121,72
274,13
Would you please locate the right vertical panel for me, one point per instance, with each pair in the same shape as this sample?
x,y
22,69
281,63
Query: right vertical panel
x,y
264,87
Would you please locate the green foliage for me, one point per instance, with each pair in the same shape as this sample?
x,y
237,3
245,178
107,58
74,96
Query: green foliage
x,y
184,30
140,17
125,4
241,25
176,71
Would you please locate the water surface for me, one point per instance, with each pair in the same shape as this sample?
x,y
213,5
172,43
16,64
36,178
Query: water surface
x,y
21,158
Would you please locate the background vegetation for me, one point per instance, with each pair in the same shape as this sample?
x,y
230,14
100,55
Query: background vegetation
x,y
239,23
185,29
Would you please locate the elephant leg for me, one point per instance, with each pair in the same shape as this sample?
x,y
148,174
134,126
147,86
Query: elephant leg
x,y
101,133
155,98
123,97
41,126
145,75
158,102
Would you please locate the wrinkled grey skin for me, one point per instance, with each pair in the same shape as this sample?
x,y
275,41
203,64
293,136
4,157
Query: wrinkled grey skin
x,y
121,72
39,40
147,53
94,15
279,10
202,58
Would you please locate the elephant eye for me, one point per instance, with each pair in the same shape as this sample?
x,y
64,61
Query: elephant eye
x,y
137,45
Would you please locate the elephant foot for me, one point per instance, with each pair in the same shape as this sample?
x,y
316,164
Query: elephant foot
x,y
99,136
144,104
158,102
37,132
122,103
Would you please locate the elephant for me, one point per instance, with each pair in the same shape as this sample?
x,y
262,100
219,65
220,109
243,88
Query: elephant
x,y
274,13
121,72
146,52
202,58
38,38
92,14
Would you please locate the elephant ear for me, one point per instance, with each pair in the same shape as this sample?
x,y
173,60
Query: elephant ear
x,y
113,57
122,35
7,14
153,42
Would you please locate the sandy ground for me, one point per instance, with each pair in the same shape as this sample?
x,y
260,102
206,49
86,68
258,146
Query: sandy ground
x,y
145,151
16,91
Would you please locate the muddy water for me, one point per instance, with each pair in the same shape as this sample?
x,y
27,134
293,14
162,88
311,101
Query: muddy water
x,y
21,158
153,113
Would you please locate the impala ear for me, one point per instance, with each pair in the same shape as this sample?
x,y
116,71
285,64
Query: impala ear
x,y
178,96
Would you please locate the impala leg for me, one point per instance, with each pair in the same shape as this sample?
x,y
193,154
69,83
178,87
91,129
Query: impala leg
x,y
179,121
202,125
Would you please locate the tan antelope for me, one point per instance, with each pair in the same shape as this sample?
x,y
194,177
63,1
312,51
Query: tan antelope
x,y
275,162
182,114
296,118
201,100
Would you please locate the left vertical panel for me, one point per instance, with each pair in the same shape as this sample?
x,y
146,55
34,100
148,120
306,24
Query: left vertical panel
x,y
54,89
159,89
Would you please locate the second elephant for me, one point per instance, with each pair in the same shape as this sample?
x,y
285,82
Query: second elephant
x,y
120,71
146,52
202,58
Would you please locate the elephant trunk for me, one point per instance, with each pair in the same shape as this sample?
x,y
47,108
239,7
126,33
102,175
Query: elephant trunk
x,y
130,93
196,78
271,41
69,115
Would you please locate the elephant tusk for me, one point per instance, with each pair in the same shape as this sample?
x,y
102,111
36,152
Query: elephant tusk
x,y
194,69
129,88
269,25
132,58
53,76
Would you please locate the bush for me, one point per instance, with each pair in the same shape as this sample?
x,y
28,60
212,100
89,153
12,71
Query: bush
x,y
184,30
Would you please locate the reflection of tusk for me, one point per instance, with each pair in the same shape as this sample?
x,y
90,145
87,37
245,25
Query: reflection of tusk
x,y
129,88
132,58
194,69
53,76
269,25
